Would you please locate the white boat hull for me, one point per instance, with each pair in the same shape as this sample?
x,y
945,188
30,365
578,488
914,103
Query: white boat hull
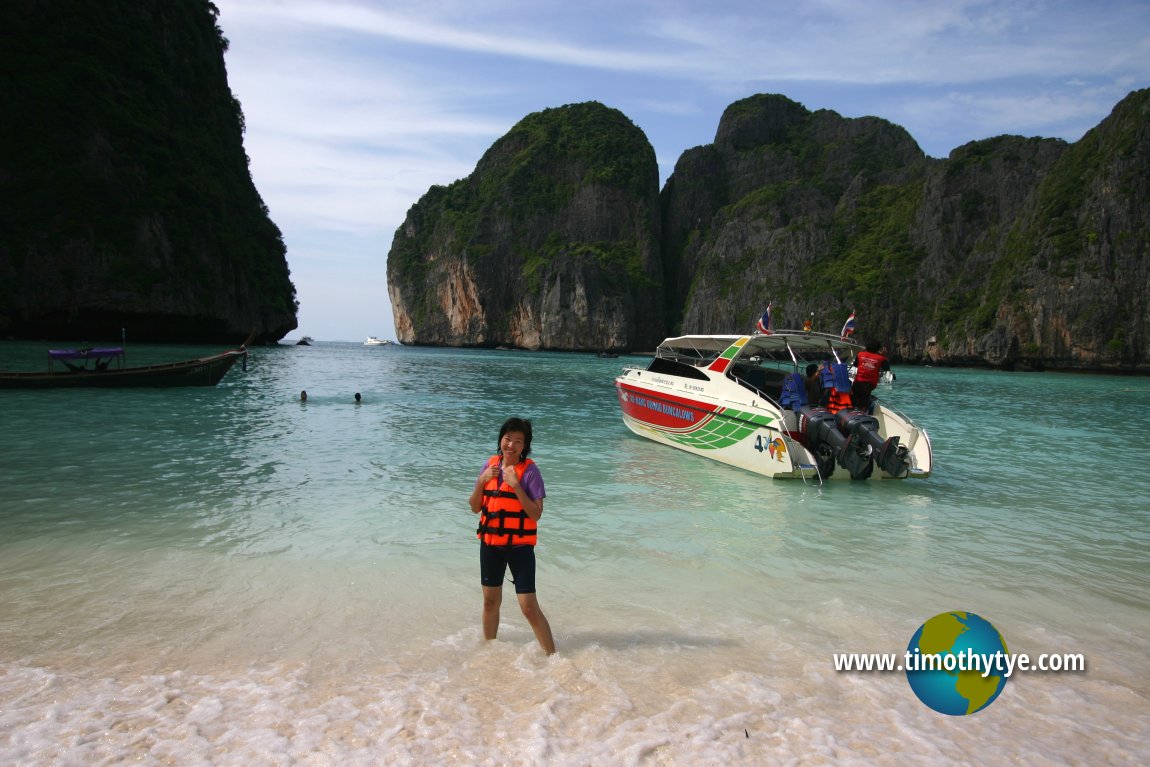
x,y
746,437
713,415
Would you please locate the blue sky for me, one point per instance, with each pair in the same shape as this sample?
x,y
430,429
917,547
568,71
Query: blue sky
x,y
354,109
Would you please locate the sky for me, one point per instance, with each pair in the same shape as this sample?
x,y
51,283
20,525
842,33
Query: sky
x,y
355,108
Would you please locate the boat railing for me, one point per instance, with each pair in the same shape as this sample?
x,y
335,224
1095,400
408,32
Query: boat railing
x,y
686,357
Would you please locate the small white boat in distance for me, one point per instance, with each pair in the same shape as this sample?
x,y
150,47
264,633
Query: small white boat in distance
x,y
741,400
373,341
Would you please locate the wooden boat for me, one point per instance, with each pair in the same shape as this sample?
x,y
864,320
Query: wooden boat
x,y
741,400
71,368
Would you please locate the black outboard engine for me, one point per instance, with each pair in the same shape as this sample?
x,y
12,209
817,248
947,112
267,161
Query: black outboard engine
x,y
862,430
829,442
857,455
817,425
852,439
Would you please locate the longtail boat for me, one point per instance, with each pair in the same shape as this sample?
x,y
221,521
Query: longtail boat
x,y
72,368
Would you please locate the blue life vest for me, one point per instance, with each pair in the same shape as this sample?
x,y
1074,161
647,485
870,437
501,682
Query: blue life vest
x,y
794,394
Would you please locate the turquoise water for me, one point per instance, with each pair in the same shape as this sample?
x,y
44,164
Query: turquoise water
x,y
231,576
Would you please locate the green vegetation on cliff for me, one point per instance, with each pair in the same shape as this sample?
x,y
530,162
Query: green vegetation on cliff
x,y
547,155
872,251
568,195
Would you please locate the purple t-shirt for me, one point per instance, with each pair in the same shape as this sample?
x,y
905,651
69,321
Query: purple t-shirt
x,y
532,481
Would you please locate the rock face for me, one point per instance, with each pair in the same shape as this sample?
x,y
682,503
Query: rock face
x,y
552,243
1012,252
777,208
126,197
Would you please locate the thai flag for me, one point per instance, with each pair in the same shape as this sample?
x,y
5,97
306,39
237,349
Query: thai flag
x,y
848,326
764,324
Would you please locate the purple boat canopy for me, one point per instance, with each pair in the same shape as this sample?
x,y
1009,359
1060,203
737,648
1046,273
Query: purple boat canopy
x,y
85,354
88,360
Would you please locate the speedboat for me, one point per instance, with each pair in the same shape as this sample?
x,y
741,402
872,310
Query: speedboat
x,y
741,400
373,341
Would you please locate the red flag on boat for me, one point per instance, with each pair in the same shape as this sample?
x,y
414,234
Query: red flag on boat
x,y
848,326
764,324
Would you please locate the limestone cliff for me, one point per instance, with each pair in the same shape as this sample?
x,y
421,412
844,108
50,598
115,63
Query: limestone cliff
x,y
552,243
125,195
1011,252
768,213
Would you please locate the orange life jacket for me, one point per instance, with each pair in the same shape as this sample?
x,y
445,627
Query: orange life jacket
x,y
502,520
839,400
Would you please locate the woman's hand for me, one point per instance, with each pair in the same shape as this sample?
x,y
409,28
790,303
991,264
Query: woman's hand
x,y
511,477
487,475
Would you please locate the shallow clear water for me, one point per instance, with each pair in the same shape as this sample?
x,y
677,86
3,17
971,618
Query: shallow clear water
x,y
230,576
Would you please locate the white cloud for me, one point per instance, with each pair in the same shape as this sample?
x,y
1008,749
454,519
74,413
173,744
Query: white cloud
x,y
354,109
380,21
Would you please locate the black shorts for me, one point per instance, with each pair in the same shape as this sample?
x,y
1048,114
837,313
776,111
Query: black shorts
x,y
494,561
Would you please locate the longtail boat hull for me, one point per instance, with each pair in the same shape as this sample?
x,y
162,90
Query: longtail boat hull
x,y
204,371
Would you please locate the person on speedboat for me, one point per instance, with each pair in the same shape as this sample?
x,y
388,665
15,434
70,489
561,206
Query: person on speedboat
x,y
870,366
814,385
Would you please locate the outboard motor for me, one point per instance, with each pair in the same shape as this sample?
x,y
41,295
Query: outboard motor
x,y
826,438
863,432
817,425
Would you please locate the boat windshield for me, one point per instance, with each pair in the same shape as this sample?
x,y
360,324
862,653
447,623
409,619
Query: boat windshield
x,y
692,350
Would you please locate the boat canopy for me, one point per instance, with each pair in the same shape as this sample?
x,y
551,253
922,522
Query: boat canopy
x,y
85,354
794,345
77,360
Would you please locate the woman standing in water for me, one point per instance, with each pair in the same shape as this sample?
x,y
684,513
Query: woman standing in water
x,y
508,497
